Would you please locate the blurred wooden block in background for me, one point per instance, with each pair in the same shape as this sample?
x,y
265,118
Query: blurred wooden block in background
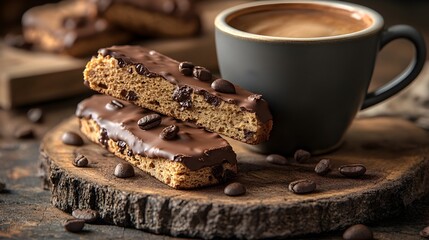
x,y
30,77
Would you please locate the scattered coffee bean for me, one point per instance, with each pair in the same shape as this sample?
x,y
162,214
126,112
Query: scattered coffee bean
x,y
72,138
80,161
74,225
301,155
358,232
302,186
223,86
235,189
88,215
24,132
124,170
149,121
114,105
2,186
186,68
352,170
202,74
277,159
170,132
323,167
35,115
425,232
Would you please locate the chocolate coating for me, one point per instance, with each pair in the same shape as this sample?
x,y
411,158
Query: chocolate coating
x,y
193,146
156,65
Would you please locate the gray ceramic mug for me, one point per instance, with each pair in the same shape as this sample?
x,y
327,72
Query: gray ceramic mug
x,y
314,85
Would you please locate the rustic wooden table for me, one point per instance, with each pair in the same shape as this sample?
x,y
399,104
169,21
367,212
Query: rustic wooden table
x,y
25,209
26,212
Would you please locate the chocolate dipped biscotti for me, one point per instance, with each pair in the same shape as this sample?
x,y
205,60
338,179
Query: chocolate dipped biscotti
x,y
180,90
159,18
178,154
70,27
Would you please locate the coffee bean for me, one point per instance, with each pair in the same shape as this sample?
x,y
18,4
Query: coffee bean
x,y
2,186
114,105
277,159
169,132
88,215
235,189
74,225
72,138
202,74
425,232
301,155
80,161
223,86
24,132
302,186
323,167
124,170
352,170
358,232
186,68
35,115
149,121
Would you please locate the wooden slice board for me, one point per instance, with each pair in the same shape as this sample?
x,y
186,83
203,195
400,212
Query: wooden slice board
x,y
394,151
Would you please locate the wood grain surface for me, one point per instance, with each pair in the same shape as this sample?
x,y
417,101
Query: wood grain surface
x,y
394,152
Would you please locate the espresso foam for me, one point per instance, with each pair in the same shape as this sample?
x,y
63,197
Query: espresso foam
x,y
300,23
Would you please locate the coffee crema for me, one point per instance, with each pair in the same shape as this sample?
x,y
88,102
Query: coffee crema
x,y
300,22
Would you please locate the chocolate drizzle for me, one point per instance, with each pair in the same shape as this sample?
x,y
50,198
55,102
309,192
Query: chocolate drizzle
x,y
193,146
154,64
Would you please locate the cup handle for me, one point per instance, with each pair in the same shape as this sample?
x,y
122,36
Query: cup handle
x,y
409,74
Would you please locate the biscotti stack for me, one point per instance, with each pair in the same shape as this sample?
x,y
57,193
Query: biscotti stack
x,y
164,116
80,27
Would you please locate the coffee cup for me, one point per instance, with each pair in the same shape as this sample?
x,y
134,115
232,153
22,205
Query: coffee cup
x,y
313,62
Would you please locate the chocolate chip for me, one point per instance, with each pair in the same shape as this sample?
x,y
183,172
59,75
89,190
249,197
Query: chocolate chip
x,y
170,132
202,74
121,62
223,86
80,161
149,121
24,132
301,155
72,138
104,137
141,69
186,68
35,115
209,98
2,186
124,170
425,232
302,186
102,85
88,215
183,95
129,95
74,225
276,159
352,170
323,167
73,22
358,232
235,189
114,105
